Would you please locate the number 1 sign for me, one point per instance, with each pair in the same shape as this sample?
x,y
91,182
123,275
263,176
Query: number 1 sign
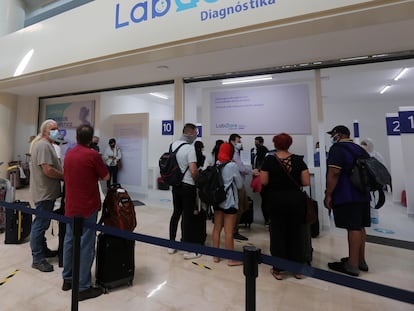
x,y
406,121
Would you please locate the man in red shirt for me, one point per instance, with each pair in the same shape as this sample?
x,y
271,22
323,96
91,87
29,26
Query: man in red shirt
x,y
83,168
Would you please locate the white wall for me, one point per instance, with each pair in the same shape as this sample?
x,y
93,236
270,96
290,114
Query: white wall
x,y
371,117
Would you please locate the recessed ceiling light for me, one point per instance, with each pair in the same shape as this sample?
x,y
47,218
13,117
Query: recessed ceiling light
x,y
402,72
247,79
159,95
384,89
353,58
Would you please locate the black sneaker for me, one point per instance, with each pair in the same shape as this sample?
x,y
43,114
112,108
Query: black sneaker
x,y
343,267
362,265
42,266
238,236
50,254
89,293
67,285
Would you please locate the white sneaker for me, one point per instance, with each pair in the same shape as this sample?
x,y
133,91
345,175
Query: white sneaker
x,y
171,251
191,255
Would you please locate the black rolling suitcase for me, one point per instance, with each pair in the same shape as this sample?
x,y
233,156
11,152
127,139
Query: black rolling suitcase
x,y
115,261
247,217
18,225
198,227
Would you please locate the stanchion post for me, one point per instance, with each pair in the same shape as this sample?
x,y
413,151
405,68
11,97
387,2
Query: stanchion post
x,y
251,256
77,232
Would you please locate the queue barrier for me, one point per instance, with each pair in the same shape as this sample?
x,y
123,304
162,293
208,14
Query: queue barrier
x,y
250,256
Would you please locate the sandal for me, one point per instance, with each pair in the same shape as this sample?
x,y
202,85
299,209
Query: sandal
x,y
277,274
298,276
233,263
216,259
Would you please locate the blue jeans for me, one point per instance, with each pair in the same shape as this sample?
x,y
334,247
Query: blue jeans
x,y
87,254
37,233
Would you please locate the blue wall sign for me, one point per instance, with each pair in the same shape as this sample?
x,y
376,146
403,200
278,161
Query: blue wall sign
x,y
406,121
356,129
393,126
200,131
167,127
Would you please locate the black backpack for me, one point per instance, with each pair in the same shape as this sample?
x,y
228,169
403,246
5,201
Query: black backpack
x,y
368,174
169,169
210,185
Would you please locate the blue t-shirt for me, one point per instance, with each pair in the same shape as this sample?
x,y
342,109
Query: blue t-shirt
x,y
340,157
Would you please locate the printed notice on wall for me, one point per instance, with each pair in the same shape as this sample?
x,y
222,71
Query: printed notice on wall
x,y
261,110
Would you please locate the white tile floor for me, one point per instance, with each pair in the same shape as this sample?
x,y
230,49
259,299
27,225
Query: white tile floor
x,y
185,286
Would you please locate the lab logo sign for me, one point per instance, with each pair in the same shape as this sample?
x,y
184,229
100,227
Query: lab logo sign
x,y
127,14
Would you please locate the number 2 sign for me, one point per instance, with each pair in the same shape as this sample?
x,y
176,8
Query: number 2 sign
x,y
393,126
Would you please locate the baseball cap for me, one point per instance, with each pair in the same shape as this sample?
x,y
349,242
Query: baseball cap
x,y
339,129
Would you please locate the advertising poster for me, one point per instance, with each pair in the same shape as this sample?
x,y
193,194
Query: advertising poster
x,y
261,110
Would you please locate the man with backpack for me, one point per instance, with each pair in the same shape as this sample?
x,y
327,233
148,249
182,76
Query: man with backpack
x,y
185,193
350,206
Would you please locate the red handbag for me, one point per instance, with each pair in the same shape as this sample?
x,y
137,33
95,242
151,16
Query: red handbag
x,y
256,184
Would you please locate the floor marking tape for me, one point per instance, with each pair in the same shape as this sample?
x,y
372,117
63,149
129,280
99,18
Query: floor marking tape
x,y
201,266
9,276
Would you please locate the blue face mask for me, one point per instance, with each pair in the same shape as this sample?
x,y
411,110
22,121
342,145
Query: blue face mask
x,y
53,135
239,146
333,140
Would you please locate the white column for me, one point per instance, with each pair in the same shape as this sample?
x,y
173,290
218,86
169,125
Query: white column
x,y
12,15
396,157
406,118
8,108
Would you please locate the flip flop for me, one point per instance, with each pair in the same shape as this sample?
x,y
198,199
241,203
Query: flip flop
x,y
276,274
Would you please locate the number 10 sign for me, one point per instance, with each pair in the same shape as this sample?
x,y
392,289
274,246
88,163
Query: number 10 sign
x,y
406,121
167,127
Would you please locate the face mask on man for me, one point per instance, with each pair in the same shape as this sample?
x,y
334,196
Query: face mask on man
x,y
334,139
239,146
53,134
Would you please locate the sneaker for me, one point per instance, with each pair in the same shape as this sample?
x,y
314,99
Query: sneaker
x,y
89,293
191,255
67,285
343,267
362,265
171,251
50,254
42,266
238,236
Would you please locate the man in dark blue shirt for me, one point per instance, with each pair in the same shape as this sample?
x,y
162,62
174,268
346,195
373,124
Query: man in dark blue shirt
x,y
350,207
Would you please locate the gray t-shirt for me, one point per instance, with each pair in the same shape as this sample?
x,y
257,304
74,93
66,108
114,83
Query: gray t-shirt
x,y
43,187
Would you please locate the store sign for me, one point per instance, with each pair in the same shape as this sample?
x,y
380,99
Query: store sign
x,y
143,11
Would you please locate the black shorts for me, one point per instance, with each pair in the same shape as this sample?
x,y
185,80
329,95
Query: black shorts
x,y
352,216
230,211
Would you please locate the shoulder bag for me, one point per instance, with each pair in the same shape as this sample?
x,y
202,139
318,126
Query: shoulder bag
x,y
310,216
